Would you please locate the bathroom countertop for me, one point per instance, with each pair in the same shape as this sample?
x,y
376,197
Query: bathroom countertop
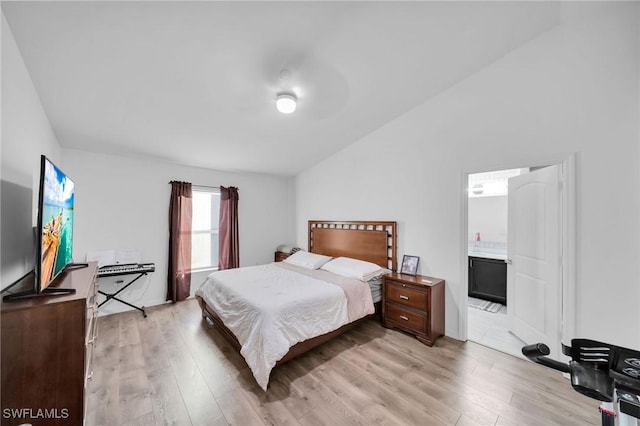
x,y
498,255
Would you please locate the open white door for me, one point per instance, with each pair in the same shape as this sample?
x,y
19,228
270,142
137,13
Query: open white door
x,y
534,240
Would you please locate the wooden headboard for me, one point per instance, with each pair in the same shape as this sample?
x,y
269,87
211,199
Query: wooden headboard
x,y
365,240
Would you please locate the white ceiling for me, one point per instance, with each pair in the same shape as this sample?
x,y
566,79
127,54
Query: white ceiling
x,y
195,82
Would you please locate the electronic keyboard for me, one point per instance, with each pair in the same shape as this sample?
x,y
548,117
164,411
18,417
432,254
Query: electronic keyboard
x,y
130,268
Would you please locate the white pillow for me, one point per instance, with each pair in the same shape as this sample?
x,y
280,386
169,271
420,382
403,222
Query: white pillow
x,y
307,260
354,268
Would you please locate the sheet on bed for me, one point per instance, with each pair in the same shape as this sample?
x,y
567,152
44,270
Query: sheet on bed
x,y
359,301
375,285
270,308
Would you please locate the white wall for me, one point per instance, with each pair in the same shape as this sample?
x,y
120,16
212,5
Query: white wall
x,y
26,134
123,203
572,89
488,216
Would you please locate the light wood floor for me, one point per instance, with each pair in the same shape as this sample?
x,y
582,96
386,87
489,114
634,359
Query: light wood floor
x,y
174,368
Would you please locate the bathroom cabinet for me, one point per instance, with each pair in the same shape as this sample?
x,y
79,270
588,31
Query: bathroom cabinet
x,y
488,279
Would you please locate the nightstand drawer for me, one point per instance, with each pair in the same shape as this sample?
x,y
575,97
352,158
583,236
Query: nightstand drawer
x,y
406,318
405,296
280,256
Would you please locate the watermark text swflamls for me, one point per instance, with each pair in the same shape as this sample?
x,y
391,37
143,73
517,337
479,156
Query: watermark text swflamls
x,y
38,413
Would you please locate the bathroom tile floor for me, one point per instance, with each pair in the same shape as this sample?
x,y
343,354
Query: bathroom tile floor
x,y
491,330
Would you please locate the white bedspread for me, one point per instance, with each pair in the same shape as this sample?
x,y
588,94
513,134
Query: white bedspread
x,y
270,308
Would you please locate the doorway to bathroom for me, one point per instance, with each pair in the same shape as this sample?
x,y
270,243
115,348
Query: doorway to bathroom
x,y
519,254
487,229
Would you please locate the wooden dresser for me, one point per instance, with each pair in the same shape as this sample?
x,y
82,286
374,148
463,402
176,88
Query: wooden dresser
x,y
414,304
47,343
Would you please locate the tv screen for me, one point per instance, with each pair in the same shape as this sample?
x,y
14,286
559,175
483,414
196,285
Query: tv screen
x,y
55,224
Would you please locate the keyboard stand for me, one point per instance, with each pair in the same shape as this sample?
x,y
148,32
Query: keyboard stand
x,y
110,296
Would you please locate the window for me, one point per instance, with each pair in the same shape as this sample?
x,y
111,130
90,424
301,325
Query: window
x,y
204,229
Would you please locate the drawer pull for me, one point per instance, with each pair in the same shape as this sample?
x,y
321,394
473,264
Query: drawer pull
x,y
402,296
404,318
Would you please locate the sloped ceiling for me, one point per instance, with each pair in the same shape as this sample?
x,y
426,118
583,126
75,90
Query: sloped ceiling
x,y
195,82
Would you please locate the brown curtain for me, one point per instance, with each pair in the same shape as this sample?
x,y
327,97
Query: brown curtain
x,y
229,248
180,208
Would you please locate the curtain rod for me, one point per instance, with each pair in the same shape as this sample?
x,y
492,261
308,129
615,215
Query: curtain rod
x,y
205,186
200,186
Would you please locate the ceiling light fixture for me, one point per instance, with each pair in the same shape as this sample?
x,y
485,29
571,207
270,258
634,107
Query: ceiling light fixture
x,y
286,102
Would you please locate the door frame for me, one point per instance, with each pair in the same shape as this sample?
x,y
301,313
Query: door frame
x,y
568,308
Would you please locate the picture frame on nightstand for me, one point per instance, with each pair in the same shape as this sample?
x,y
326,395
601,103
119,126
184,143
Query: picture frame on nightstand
x,y
409,265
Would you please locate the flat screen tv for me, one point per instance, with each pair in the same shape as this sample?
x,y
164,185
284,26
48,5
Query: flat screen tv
x,y
54,231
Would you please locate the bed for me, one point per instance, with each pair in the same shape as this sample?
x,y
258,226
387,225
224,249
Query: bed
x,y
369,241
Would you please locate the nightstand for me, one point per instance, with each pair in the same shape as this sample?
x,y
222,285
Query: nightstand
x,y
279,256
414,304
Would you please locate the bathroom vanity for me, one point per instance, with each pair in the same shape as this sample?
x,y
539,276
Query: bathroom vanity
x,y
488,277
